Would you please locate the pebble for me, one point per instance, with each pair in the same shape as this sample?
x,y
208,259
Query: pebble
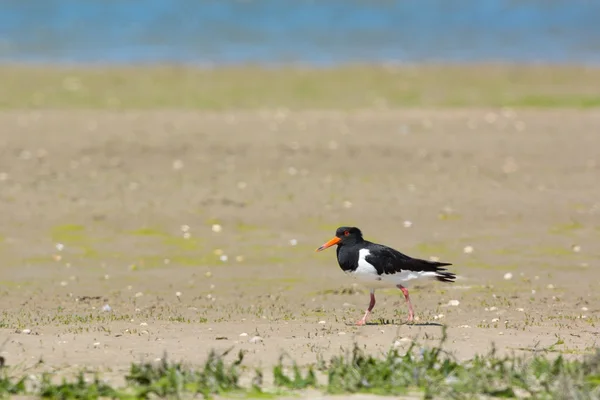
x,y
217,228
243,334
26,331
407,224
293,242
508,276
341,333
550,286
402,341
255,339
584,308
322,322
106,308
453,303
468,249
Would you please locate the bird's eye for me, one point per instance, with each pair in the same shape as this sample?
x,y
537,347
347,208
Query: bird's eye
x,y
346,233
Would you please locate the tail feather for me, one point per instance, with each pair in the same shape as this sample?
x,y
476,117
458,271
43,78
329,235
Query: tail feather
x,y
445,277
442,276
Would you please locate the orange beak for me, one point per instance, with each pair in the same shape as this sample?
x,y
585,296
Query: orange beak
x,y
333,241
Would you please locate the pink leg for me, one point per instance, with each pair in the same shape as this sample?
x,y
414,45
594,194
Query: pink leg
x,y
411,314
363,320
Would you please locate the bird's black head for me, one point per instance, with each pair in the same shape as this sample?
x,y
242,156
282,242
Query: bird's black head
x,y
344,235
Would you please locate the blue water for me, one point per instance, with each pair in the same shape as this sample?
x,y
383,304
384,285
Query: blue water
x,y
320,32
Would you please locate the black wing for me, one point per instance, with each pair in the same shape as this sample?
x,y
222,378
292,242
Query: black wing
x,y
389,261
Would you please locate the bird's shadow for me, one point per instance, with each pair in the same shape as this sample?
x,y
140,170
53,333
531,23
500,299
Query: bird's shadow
x,y
387,323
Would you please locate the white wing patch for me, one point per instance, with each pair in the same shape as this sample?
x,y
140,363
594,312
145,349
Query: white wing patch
x,y
367,273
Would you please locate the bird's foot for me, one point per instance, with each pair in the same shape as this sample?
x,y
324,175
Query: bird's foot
x,y
411,318
361,322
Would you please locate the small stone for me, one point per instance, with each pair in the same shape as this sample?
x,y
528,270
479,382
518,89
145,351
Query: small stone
x,y
322,322
341,333
521,309
293,242
550,286
347,204
106,308
223,258
464,326
401,341
508,276
26,331
500,333
139,294
208,274
496,320
468,249
255,339
185,228
243,334
584,308
177,165
576,248
60,246
96,344
144,324
217,228
178,294
407,224
453,303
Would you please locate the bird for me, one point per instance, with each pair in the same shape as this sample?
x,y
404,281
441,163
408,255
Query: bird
x,y
379,266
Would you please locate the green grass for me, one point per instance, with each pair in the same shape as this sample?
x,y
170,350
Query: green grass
x,y
346,87
425,371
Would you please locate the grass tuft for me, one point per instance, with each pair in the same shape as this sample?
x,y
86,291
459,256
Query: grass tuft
x,y
297,380
428,371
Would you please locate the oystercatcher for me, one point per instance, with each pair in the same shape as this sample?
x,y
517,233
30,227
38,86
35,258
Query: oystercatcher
x,y
381,266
